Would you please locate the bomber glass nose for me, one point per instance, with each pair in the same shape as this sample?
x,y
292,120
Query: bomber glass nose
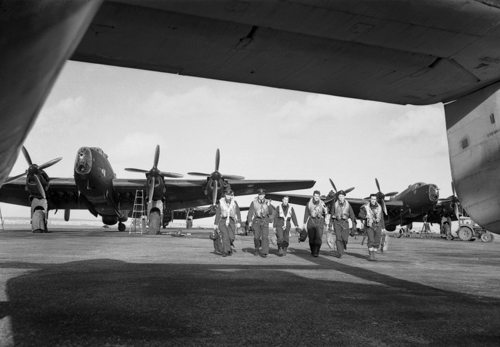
x,y
433,193
83,162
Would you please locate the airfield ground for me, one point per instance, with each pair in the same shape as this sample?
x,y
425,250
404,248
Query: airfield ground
x,y
94,287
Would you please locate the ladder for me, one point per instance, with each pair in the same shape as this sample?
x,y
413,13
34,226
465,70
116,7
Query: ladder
x,y
138,225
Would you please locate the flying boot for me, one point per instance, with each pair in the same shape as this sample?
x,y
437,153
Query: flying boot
x,y
280,249
313,248
285,248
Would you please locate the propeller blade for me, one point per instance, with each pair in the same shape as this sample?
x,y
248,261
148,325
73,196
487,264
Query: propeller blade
x,y
457,214
349,190
233,177
27,156
453,188
217,160
40,186
157,156
10,179
333,185
214,196
384,207
50,163
378,185
170,174
199,174
151,189
391,194
136,170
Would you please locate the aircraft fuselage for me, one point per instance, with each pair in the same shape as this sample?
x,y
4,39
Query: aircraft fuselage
x,y
94,179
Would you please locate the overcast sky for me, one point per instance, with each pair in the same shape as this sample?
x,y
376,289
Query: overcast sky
x,y
262,133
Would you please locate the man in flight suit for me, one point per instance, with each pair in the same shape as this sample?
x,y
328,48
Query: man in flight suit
x,y
314,221
372,213
227,220
341,213
284,214
259,216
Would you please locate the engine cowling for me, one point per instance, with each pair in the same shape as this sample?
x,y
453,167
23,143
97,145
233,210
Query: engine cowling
x,y
110,220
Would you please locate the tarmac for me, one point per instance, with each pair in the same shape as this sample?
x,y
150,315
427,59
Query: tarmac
x,y
97,287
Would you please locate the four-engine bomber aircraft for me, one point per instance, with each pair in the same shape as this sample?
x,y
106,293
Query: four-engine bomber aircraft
x,y
95,187
409,206
395,51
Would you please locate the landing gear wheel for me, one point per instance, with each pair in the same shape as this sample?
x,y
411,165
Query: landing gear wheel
x,y
465,233
121,227
38,222
154,223
487,237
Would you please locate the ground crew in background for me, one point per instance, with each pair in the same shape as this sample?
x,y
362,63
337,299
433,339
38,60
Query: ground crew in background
x,y
227,220
371,212
315,215
259,216
341,213
283,216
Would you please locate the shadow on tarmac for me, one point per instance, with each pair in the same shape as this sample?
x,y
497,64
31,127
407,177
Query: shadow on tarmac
x,y
110,302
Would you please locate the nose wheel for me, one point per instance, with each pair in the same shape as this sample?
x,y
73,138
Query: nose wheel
x,y
121,227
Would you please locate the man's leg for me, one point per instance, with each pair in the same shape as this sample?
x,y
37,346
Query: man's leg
x,y
265,239
311,234
280,238
338,236
226,242
257,234
319,238
286,237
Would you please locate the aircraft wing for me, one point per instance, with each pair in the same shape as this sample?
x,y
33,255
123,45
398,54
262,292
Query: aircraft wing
x,y
403,52
199,212
392,206
190,193
63,193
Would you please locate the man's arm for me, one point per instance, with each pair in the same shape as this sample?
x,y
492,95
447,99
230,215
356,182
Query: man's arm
x,y
217,217
307,214
251,212
276,216
294,218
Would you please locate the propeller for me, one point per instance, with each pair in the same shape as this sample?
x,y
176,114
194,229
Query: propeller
x,y
381,196
154,174
216,177
335,195
34,171
453,199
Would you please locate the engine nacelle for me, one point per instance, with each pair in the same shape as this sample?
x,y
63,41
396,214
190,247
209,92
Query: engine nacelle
x,y
124,216
110,220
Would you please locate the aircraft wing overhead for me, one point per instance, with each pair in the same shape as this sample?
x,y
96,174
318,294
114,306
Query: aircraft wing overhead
x,y
403,52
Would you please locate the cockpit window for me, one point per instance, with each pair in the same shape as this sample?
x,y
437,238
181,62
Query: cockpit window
x,y
97,149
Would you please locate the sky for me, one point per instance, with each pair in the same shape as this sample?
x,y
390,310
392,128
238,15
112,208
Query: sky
x,y
262,133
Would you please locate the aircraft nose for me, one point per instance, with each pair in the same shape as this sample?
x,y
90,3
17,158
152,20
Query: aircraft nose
x,y
83,162
433,192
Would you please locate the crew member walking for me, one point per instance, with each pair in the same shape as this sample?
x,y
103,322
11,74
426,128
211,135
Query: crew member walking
x,y
259,216
227,220
315,215
284,214
371,212
341,213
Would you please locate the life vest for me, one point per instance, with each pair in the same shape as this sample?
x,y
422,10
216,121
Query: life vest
x,y
288,213
342,211
373,215
316,210
261,209
227,210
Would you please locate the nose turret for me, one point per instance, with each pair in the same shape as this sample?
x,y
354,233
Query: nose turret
x,y
83,162
433,192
